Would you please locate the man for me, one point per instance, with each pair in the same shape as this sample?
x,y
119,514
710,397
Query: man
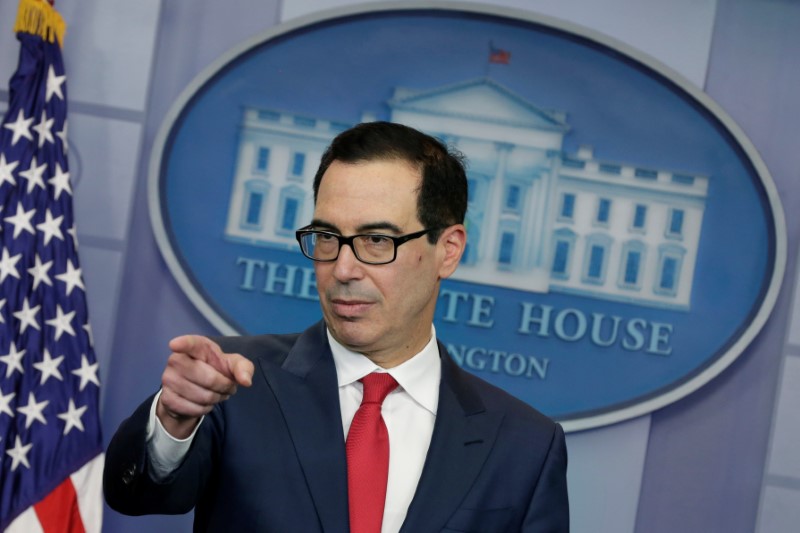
x,y
444,451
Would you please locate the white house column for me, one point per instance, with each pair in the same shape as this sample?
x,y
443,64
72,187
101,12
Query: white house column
x,y
493,207
530,226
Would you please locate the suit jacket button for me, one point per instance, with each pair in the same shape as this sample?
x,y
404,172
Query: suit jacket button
x,y
128,475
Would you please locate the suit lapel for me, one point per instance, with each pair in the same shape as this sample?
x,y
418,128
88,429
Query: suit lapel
x,y
306,388
463,436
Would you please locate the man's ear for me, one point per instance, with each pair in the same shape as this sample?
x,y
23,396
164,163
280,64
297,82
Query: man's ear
x,y
452,243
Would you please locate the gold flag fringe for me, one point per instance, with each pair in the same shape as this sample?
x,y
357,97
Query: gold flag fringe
x,y
38,17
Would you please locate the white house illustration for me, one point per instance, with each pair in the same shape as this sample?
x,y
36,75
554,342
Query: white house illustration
x,y
539,219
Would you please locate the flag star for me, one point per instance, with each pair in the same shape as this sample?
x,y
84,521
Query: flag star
x,y
72,417
62,323
74,232
19,454
49,367
51,227
5,403
43,128
6,170
2,305
22,220
87,372
13,360
63,136
39,272
60,182
34,174
88,328
27,317
33,411
72,277
21,128
54,84
8,265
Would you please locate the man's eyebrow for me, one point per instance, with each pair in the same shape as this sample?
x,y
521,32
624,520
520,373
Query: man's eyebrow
x,y
372,226
379,226
318,223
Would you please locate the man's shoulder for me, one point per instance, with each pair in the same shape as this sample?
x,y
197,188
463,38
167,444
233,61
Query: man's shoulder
x,y
495,399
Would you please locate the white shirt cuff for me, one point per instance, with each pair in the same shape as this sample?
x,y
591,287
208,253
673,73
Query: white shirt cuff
x,y
165,452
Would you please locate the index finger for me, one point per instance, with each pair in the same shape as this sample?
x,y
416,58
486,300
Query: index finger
x,y
202,349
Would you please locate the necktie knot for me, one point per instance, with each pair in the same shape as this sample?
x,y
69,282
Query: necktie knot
x,y
377,387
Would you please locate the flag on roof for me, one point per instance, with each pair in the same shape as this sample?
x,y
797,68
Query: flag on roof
x,y
498,55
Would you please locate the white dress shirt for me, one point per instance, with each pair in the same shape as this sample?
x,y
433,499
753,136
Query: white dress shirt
x,y
409,413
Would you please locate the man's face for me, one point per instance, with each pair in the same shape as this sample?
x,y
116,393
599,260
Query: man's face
x,y
382,311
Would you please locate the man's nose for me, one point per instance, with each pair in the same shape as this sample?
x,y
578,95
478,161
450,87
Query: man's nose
x,y
347,265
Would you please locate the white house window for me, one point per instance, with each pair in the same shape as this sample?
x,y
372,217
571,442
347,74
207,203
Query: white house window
x,y
603,211
561,257
291,202
513,197
563,244
683,179
596,259
668,276
506,252
567,210
290,208
271,116
630,276
262,160
306,122
675,223
253,201
646,174
639,217
298,164
608,168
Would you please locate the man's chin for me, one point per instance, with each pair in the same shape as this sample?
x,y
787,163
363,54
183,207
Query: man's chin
x,y
352,334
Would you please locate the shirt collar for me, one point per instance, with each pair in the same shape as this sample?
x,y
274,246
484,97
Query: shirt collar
x,y
419,376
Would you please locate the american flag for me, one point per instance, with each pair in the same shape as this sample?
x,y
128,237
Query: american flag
x,y
50,442
498,55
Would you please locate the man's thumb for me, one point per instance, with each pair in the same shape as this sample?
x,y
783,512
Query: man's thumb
x,y
241,368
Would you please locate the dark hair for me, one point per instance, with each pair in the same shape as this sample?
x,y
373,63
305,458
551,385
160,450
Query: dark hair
x,y
442,196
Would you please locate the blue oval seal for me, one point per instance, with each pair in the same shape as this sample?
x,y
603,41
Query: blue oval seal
x,y
626,242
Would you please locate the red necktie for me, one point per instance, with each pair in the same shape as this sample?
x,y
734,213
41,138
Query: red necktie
x,y
368,456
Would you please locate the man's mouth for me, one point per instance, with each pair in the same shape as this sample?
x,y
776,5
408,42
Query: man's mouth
x,y
350,308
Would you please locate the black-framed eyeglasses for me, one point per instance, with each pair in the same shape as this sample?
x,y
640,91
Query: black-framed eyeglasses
x,y
370,248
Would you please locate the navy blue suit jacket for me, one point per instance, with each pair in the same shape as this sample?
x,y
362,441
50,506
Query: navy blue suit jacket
x,y
272,458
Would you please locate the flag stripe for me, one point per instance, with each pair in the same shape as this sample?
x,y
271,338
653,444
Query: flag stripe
x,y
58,512
88,483
27,522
